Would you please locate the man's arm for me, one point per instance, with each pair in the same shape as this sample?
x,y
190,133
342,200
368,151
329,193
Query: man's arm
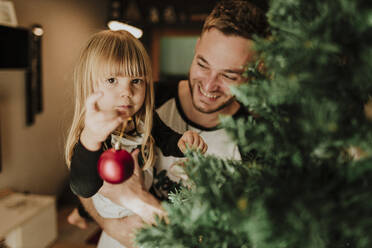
x,y
165,91
165,137
122,229
132,195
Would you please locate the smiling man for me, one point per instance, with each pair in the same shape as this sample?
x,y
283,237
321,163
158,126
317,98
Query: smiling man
x,y
218,64
223,49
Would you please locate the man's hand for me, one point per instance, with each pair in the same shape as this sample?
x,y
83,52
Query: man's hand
x,y
98,124
129,189
192,140
122,229
132,195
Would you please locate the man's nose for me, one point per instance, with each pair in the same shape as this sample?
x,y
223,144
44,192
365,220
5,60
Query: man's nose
x,y
211,82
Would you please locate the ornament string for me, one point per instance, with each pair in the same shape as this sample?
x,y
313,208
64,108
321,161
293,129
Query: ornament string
x,y
123,126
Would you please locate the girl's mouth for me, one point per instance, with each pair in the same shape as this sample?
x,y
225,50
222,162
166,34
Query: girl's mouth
x,y
123,109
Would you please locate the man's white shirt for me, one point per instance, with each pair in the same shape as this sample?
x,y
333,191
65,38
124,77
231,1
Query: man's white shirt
x,y
218,141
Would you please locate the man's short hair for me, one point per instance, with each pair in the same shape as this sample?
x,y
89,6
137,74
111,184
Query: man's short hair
x,y
237,17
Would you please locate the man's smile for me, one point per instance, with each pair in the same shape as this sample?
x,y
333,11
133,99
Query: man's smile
x,y
206,94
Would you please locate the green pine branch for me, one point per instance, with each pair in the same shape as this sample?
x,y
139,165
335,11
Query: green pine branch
x,y
307,182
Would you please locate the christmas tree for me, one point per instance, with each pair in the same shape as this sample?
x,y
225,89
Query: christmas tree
x,y
310,184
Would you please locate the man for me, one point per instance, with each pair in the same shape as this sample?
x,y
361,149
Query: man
x,y
222,51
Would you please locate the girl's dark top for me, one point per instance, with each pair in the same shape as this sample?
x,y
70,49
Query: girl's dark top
x,y
84,178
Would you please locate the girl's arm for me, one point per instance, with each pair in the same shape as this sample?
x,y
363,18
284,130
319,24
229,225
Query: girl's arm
x,y
98,125
84,178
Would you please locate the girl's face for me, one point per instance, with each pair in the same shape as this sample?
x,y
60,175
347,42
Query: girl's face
x,y
125,95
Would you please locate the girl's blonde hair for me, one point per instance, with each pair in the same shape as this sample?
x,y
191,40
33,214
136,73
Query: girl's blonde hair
x,y
112,53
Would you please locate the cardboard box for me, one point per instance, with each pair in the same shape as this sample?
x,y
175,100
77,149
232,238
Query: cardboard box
x,y
28,220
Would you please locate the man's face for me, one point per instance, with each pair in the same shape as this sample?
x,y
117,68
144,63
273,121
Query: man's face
x,y
218,63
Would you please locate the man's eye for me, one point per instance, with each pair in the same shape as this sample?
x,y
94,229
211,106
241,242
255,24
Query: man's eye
x,y
111,80
202,66
231,78
137,81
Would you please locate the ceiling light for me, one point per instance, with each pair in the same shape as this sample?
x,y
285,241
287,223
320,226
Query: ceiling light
x,y
116,25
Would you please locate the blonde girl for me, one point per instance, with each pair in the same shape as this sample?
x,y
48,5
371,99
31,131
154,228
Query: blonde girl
x,y
113,82
111,53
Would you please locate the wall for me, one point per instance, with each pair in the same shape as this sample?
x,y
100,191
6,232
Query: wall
x,y
170,54
32,157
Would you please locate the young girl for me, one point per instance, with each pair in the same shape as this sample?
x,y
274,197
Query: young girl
x,y
113,83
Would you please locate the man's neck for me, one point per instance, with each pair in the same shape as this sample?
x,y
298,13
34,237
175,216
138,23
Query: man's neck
x,y
209,120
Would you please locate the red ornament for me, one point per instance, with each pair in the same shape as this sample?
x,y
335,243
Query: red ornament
x,y
115,166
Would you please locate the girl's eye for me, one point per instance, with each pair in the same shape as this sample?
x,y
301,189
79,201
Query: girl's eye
x,y
111,80
137,81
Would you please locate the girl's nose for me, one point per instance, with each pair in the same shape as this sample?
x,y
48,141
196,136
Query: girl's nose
x,y
126,91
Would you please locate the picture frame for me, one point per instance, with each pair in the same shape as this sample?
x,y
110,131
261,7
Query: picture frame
x,y
156,47
7,14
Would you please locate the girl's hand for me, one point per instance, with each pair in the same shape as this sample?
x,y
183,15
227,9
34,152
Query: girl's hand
x,y
192,140
98,124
